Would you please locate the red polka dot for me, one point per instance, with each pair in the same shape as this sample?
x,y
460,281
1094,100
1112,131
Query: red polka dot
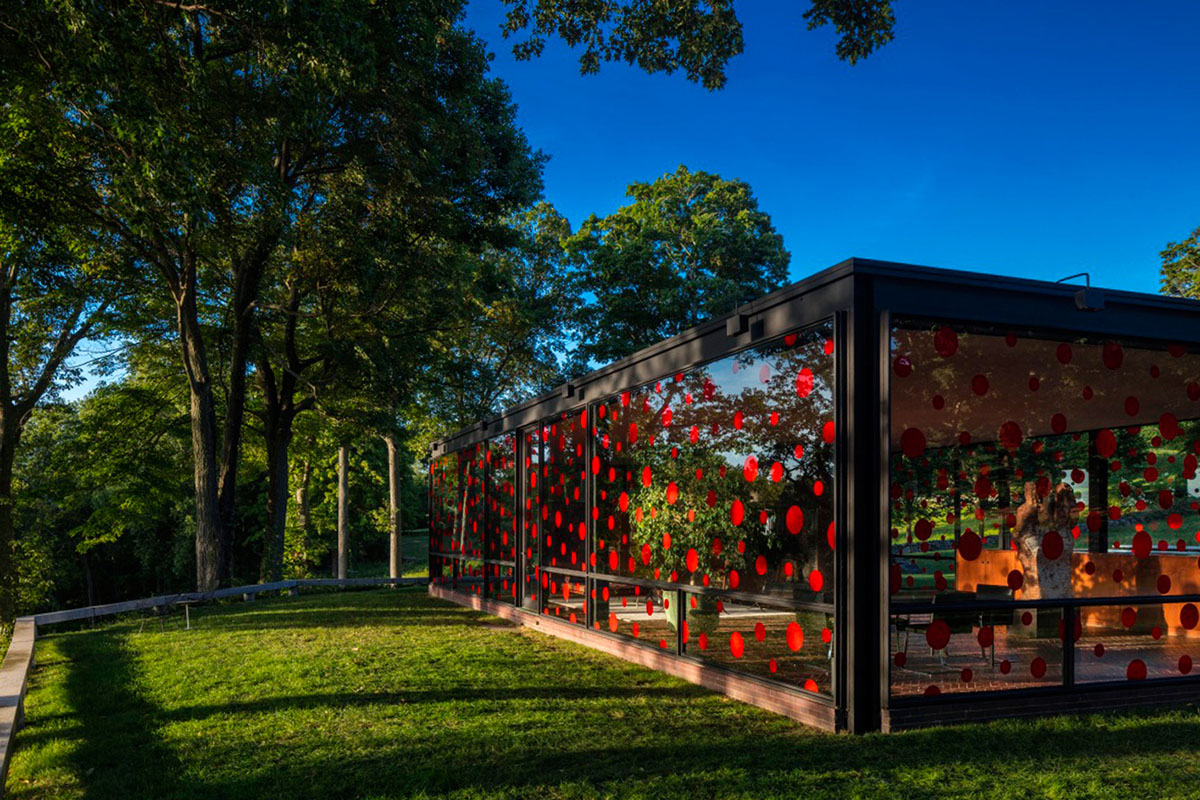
x,y
1058,423
1005,667
703,641
736,512
979,385
1052,545
795,636
1064,353
760,631
827,432
986,636
937,635
902,366
693,560
966,675
1136,671
1163,584
969,546
1106,443
1132,406
1015,580
1142,544
1098,650
1189,616
646,554
901,659
945,342
1168,426
1185,664
760,565
816,580
1010,436
776,472
804,382
736,645
1037,667
672,493
750,468
794,520
1112,355
1128,616
647,476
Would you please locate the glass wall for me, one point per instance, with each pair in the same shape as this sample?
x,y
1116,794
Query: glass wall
x,y
1040,468
693,514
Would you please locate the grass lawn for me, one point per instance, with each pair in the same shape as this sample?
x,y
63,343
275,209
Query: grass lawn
x,y
389,694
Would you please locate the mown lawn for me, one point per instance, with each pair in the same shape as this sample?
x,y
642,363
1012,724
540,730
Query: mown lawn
x,y
390,694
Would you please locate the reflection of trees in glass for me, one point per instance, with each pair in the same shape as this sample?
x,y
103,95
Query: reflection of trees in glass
x,y
443,472
501,497
563,530
716,472
986,413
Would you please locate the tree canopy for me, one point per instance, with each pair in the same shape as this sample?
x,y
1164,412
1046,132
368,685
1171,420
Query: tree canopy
x,y
690,247
698,37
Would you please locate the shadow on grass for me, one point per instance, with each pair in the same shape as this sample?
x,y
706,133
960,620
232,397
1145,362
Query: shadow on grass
x,y
119,753
527,729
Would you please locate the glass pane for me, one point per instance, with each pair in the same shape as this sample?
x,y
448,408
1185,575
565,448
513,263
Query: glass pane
x,y
502,583
637,612
564,597
532,448
723,476
788,645
443,499
1042,467
1133,643
564,534
502,498
942,652
468,539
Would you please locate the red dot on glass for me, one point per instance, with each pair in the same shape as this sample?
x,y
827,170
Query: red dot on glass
x,y
945,342
1136,671
979,385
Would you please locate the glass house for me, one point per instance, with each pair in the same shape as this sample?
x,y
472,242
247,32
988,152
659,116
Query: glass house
x,y
886,496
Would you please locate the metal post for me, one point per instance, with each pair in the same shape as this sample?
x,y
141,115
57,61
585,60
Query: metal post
x,y
1097,496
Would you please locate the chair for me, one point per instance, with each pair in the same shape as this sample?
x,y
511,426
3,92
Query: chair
x,y
958,621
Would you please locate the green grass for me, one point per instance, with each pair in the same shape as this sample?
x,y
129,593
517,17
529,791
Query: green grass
x,y
390,694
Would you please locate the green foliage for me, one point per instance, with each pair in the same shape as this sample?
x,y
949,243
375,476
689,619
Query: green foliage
x,y
690,247
698,37
1181,267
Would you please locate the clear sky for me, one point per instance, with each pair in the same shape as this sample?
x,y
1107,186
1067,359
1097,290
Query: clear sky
x,y
1031,139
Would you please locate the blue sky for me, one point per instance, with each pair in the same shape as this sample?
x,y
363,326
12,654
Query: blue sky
x,y
1031,139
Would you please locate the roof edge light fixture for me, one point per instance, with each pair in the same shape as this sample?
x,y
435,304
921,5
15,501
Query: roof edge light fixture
x,y
1087,298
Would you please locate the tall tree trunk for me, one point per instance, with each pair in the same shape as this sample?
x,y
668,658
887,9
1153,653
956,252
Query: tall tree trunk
x,y
10,436
303,516
343,511
395,552
245,296
204,438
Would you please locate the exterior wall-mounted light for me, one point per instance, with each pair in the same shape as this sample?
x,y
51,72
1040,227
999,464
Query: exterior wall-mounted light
x,y
1087,298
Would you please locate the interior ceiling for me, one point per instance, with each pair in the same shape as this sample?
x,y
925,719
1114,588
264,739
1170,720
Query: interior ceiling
x,y
985,381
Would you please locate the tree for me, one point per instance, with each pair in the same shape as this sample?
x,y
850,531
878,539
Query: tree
x,y
1181,267
56,285
698,38
208,132
690,247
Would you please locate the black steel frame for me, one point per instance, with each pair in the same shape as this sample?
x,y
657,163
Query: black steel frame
x,y
862,296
